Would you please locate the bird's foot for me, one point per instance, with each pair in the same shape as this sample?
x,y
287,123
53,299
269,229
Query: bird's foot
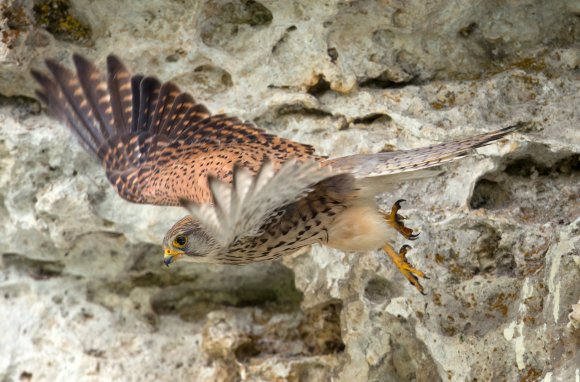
x,y
396,221
400,259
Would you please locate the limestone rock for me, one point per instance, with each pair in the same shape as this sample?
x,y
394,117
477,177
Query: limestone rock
x,y
84,294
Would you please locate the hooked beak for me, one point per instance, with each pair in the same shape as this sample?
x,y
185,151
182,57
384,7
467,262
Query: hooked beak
x,y
170,255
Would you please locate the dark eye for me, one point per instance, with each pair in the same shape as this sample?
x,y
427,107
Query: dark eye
x,y
180,241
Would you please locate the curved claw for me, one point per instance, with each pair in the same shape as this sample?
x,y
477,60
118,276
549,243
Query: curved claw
x,y
414,236
404,249
396,221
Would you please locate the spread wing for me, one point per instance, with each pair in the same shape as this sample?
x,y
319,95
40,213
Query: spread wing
x,y
157,145
243,207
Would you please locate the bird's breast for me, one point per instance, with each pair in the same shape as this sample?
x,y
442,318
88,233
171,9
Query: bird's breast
x,y
359,228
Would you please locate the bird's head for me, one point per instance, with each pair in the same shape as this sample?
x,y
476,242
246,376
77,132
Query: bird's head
x,y
188,241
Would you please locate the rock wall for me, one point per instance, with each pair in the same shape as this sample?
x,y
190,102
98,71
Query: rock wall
x,y
84,295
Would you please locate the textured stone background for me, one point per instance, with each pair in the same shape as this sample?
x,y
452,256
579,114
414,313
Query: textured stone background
x,y
84,295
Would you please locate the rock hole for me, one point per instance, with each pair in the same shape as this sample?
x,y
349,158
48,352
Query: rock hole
x,y
212,79
301,109
383,81
247,350
378,290
23,106
488,194
320,87
333,54
257,14
539,185
224,19
526,167
468,30
568,166
176,56
372,118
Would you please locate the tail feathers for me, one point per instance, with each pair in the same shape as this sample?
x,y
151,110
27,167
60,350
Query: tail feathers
x,y
407,161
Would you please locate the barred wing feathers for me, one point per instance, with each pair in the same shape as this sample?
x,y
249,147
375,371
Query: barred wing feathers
x,y
156,143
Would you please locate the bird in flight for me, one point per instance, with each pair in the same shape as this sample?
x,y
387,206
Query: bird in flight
x,y
251,196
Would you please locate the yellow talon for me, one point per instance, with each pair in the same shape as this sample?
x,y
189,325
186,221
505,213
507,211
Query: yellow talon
x,y
396,221
401,262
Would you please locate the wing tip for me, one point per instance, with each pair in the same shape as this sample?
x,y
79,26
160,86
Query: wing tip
x,y
45,82
493,136
83,65
55,68
38,76
114,61
515,127
79,58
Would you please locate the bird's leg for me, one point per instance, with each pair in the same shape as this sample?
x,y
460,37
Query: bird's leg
x,y
396,221
400,260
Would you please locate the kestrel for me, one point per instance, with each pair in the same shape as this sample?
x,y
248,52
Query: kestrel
x,y
251,196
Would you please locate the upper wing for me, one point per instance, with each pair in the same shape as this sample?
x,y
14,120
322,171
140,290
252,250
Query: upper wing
x,y
249,203
405,161
157,144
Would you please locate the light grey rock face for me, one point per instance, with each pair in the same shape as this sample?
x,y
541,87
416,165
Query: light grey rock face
x,y
84,295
